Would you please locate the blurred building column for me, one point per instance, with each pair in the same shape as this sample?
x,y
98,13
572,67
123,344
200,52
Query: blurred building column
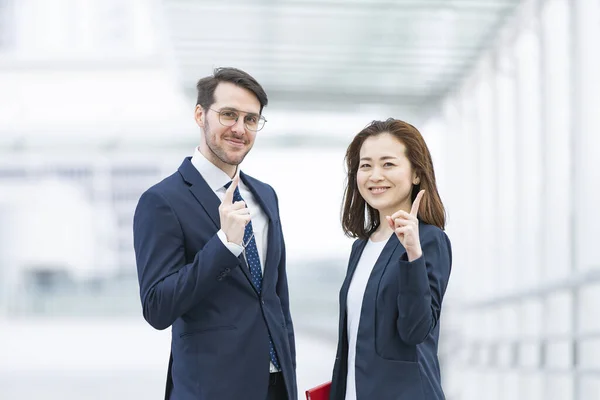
x,y
586,128
584,190
558,325
8,267
529,218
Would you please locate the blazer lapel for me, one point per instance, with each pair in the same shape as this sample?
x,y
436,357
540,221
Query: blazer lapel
x,y
383,259
201,191
387,252
353,262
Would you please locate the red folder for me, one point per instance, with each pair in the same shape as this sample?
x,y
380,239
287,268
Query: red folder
x,y
320,392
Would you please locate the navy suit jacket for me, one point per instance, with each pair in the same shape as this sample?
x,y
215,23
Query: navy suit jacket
x,y
189,280
397,341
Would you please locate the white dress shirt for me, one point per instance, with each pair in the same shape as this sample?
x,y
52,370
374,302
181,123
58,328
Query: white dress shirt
x,y
354,301
217,179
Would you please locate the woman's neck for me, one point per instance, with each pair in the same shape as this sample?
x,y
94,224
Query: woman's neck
x,y
382,232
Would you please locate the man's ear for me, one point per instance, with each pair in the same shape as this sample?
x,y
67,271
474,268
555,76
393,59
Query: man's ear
x,y
199,116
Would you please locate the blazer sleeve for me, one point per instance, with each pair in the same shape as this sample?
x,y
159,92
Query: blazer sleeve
x,y
283,293
422,286
169,287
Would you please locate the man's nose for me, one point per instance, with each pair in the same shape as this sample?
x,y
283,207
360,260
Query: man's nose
x,y
239,126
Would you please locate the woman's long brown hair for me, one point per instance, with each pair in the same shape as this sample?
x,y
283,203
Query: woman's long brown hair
x,y
359,219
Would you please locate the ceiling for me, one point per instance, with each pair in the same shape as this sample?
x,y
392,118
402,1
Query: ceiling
x,y
339,55
328,66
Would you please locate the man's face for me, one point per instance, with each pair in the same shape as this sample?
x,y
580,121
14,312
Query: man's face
x,y
227,145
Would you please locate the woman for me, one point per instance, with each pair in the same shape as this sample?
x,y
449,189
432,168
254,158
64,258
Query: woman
x,y
391,299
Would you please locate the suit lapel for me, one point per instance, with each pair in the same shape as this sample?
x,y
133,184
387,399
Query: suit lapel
x,y
201,191
208,200
263,196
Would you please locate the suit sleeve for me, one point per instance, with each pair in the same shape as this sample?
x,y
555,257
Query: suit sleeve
x,y
169,286
283,294
422,286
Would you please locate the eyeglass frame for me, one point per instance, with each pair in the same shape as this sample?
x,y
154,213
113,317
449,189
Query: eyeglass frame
x,y
260,117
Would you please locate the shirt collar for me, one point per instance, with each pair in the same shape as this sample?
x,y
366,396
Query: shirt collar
x,y
215,177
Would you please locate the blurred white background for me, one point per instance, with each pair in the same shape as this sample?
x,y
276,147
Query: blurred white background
x,y
96,105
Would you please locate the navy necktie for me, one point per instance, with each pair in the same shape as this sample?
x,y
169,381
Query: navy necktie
x,y
251,253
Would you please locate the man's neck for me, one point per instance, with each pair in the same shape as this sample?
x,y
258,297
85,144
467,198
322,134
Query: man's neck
x,y
229,169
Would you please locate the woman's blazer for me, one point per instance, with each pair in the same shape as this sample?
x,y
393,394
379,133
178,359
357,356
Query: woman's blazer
x,y
397,341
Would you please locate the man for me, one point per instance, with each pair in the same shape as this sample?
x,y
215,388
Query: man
x,y
211,258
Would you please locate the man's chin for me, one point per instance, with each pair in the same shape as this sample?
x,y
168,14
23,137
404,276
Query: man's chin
x,y
230,156
234,159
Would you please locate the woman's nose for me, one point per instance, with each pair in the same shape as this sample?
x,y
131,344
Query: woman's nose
x,y
376,175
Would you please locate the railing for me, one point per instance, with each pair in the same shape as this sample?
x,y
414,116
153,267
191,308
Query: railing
x,y
576,349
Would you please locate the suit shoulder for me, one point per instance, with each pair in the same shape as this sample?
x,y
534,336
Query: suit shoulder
x,y
262,185
257,182
164,188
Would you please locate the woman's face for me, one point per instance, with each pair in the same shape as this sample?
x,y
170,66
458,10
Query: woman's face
x,y
385,176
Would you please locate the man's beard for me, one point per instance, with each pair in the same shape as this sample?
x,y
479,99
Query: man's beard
x,y
219,152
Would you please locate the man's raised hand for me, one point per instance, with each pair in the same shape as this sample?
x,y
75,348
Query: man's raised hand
x,y
233,215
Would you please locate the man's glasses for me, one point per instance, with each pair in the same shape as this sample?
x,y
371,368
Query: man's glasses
x,y
252,122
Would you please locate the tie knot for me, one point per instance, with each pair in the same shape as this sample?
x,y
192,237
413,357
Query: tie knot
x,y
236,193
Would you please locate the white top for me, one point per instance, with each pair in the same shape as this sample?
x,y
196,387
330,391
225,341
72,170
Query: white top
x,y
217,179
354,301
